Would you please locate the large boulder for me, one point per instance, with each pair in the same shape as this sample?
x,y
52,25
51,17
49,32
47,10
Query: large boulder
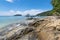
x,y
48,28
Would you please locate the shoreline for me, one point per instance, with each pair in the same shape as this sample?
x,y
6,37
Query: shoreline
x,y
12,30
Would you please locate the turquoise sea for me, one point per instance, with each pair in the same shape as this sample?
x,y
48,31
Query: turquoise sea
x,y
6,20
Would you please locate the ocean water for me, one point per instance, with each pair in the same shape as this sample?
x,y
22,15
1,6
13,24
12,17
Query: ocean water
x,y
6,20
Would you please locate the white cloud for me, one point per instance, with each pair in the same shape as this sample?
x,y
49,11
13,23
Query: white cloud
x,y
10,1
31,12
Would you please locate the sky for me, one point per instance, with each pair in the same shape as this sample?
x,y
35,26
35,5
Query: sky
x,y
32,7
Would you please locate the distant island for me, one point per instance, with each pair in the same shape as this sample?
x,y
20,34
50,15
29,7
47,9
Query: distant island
x,y
54,12
18,15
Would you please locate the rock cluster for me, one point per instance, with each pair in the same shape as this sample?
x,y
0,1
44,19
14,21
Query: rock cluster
x,y
48,28
43,29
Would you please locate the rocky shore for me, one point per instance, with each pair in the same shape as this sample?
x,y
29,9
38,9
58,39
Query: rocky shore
x,y
39,29
16,31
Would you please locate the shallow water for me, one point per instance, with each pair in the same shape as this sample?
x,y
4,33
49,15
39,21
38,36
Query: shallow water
x,y
6,20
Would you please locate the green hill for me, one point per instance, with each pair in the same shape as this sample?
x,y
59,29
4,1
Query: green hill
x,y
54,12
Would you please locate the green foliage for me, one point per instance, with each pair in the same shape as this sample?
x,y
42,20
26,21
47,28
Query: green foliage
x,y
18,15
55,11
56,5
44,14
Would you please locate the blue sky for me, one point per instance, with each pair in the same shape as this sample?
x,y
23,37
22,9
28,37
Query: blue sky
x,y
11,7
